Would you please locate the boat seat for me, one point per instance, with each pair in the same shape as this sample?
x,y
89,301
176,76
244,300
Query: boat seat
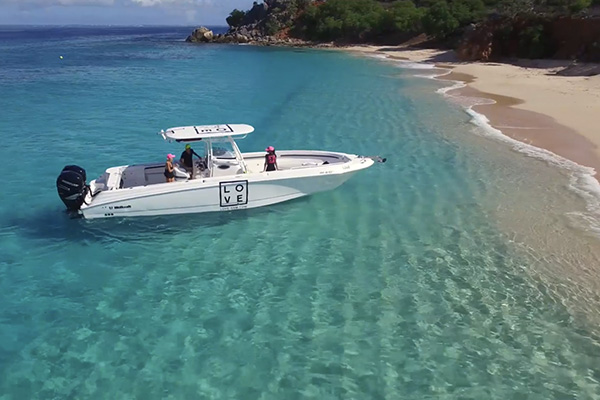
x,y
180,173
114,179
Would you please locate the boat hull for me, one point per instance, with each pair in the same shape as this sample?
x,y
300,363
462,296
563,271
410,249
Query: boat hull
x,y
237,192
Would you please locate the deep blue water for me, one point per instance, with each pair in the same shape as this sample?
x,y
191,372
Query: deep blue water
x,y
453,271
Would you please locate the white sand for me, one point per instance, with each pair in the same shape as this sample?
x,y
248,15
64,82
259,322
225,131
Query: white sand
x,y
573,101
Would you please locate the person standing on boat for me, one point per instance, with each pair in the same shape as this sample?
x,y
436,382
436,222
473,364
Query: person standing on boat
x,y
169,168
270,160
187,161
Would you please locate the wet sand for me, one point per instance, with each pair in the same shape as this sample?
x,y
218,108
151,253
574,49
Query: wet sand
x,y
530,127
533,103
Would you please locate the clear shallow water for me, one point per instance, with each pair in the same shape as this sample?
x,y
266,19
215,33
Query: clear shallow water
x,y
455,270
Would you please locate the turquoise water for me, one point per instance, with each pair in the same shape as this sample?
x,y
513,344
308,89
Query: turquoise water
x,y
457,270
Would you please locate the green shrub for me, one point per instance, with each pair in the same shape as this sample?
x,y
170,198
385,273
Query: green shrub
x,y
343,19
467,11
568,6
579,5
235,18
405,16
439,20
272,26
534,43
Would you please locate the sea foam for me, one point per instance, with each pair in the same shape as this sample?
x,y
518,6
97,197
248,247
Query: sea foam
x,y
581,178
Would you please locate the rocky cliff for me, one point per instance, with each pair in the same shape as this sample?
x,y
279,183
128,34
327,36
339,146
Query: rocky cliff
x,y
265,23
532,37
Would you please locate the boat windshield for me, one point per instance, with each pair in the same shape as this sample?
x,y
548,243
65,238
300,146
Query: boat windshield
x,y
223,150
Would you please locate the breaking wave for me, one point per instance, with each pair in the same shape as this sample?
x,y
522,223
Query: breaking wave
x,y
581,178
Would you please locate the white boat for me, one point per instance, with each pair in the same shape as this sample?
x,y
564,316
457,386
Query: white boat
x,y
223,179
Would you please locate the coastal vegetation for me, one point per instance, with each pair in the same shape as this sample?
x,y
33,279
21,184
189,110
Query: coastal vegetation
x,y
361,20
478,29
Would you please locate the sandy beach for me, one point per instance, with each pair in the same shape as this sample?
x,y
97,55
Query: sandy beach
x,y
547,103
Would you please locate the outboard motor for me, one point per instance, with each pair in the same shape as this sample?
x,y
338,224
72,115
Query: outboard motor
x,y
71,186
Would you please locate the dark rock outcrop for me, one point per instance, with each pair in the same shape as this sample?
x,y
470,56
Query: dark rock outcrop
x,y
257,13
532,37
577,38
477,44
264,24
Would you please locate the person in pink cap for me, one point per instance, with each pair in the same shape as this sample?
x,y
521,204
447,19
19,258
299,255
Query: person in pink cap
x,y
270,160
169,169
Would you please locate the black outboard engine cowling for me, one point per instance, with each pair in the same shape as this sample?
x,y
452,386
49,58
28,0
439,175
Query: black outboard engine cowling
x,y
71,186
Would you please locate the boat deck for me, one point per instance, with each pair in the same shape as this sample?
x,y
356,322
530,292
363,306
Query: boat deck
x,y
151,174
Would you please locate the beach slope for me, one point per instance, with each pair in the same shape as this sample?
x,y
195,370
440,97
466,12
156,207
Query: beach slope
x,y
550,104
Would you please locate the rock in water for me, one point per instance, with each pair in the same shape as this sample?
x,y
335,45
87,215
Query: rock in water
x,y
201,35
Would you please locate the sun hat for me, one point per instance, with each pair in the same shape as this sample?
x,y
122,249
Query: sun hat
x,y
187,146
170,155
270,148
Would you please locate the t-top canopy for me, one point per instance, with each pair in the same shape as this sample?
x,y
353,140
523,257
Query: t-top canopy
x,y
199,132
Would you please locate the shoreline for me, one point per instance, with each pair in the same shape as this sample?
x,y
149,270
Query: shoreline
x,y
536,129
530,101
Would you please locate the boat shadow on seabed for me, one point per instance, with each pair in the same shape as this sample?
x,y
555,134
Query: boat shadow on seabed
x,y
62,225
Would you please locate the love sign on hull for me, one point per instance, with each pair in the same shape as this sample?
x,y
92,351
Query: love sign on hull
x,y
234,193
